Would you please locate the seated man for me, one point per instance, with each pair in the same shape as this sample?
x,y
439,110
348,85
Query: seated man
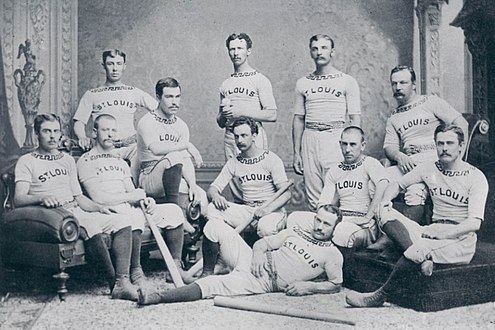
x,y
348,185
48,177
165,151
107,179
458,191
260,173
287,262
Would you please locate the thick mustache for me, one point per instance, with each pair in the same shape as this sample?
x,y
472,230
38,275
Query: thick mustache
x,y
398,94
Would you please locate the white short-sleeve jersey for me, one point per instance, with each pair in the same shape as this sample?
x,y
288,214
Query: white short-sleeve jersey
x,y
54,175
119,101
350,183
456,195
257,177
298,256
154,128
248,90
413,125
328,98
109,170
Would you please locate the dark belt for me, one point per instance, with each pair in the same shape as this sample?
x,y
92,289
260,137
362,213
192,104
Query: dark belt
x,y
69,204
412,149
253,203
272,272
347,213
445,222
321,126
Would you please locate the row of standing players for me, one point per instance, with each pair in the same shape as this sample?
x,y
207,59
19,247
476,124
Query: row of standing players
x,y
356,183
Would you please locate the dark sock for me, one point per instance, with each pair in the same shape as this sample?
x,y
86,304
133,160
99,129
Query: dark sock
x,y
397,232
210,255
175,241
121,248
189,292
136,249
415,213
171,181
403,265
97,253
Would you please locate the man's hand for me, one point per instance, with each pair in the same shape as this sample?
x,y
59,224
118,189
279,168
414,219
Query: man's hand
x,y
106,209
195,195
258,263
196,156
137,195
298,165
150,205
220,202
434,231
298,289
85,143
50,201
405,163
227,110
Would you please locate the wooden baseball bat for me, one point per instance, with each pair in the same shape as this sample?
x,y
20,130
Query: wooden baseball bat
x,y
167,257
256,306
239,229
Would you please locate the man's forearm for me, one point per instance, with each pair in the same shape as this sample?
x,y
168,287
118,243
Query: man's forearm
x,y
265,115
323,287
297,133
391,192
355,120
79,129
392,153
188,172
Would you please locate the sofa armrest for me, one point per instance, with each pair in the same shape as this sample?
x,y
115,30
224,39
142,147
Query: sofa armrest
x,y
40,224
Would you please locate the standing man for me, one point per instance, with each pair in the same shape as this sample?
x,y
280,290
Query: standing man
x,y
458,191
409,133
259,174
106,177
116,99
48,177
246,93
356,186
165,151
323,100
286,262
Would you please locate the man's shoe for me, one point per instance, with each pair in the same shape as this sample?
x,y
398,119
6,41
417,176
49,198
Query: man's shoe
x,y
148,298
124,289
427,267
369,299
138,278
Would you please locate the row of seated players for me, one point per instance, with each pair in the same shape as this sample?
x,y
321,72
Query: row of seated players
x,y
458,192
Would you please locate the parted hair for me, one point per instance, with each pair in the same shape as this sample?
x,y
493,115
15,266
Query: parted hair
x,y
321,36
165,82
113,53
404,67
41,118
239,36
245,121
442,128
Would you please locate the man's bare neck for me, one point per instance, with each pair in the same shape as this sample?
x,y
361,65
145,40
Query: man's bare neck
x,y
243,68
325,70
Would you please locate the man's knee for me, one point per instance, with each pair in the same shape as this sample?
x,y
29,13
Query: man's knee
x,y
214,230
212,213
350,235
271,224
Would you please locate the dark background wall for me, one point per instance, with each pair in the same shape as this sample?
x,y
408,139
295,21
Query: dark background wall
x,y
186,39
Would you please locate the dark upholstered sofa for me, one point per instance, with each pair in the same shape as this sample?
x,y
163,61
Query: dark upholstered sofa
x,y
36,236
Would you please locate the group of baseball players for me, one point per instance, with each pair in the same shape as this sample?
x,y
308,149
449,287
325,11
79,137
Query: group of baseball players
x,y
138,151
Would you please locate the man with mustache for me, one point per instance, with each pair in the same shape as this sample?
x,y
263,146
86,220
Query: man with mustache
x,y
259,174
356,186
246,93
165,151
106,178
323,100
117,99
458,191
48,177
285,262
409,133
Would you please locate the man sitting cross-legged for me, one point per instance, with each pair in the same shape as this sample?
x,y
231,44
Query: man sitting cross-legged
x,y
287,261
48,177
107,179
348,185
260,174
458,191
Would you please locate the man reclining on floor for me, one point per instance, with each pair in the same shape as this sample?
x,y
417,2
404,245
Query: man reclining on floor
x,y
287,262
